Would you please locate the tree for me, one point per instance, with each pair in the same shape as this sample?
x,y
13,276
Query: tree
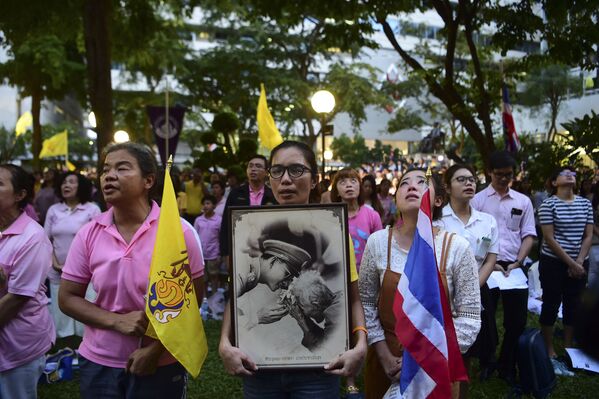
x,y
97,16
228,150
147,44
287,59
584,135
551,86
467,86
11,147
351,150
569,29
43,59
541,158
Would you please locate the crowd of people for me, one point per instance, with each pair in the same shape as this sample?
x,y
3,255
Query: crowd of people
x,y
69,267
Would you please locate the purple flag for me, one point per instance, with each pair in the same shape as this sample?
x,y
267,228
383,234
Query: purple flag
x,y
162,131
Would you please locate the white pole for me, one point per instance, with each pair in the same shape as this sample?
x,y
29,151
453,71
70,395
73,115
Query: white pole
x,y
168,122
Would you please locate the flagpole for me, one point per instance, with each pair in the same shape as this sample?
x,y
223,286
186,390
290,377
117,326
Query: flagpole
x,y
168,121
66,156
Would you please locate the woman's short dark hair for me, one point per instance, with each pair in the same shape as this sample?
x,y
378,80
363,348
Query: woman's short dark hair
x,y
21,181
84,187
309,156
145,159
345,173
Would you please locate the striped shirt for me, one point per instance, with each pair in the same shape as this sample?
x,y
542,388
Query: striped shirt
x,y
569,220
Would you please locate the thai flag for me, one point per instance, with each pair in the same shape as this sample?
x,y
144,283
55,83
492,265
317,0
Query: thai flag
x,y
431,358
512,142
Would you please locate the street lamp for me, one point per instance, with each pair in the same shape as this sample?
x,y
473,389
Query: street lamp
x,y
121,136
323,102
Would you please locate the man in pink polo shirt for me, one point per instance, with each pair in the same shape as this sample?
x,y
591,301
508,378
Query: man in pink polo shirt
x,y
26,327
114,253
516,225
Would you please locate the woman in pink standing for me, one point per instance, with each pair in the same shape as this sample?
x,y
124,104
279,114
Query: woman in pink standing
x,y
63,221
26,328
363,220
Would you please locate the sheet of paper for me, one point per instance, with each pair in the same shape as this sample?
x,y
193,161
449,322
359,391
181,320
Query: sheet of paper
x,y
515,280
581,360
491,282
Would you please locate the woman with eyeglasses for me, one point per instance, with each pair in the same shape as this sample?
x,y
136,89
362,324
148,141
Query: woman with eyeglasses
x,y
293,174
383,263
567,224
480,229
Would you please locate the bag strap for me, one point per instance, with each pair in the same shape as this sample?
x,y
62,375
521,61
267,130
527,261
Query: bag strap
x,y
389,248
443,265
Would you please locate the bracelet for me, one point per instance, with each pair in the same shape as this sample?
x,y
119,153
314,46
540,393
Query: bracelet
x,y
360,328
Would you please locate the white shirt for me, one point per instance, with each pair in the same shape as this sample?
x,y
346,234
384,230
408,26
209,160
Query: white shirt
x,y
481,231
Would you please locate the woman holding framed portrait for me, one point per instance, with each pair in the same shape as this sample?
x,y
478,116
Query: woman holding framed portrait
x,y
293,175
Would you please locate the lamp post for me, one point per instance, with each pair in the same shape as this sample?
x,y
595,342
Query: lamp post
x,y
323,102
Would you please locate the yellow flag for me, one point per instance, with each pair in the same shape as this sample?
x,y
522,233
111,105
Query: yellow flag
x,y
171,306
55,145
70,166
267,130
24,122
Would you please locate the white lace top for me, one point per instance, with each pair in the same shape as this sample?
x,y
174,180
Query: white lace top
x,y
462,284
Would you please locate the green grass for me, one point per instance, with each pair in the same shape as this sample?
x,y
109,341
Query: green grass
x,y
214,382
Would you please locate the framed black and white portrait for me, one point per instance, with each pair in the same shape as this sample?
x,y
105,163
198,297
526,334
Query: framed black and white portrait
x,y
289,284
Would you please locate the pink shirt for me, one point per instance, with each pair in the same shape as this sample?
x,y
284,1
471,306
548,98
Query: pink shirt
x,y
25,257
209,229
365,222
256,196
62,223
514,215
119,275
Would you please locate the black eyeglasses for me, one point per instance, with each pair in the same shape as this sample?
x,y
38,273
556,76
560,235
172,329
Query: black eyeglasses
x,y
295,171
464,179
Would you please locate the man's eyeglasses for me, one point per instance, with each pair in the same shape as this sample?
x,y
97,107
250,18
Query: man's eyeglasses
x,y
567,173
295,170
507,175
464,179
